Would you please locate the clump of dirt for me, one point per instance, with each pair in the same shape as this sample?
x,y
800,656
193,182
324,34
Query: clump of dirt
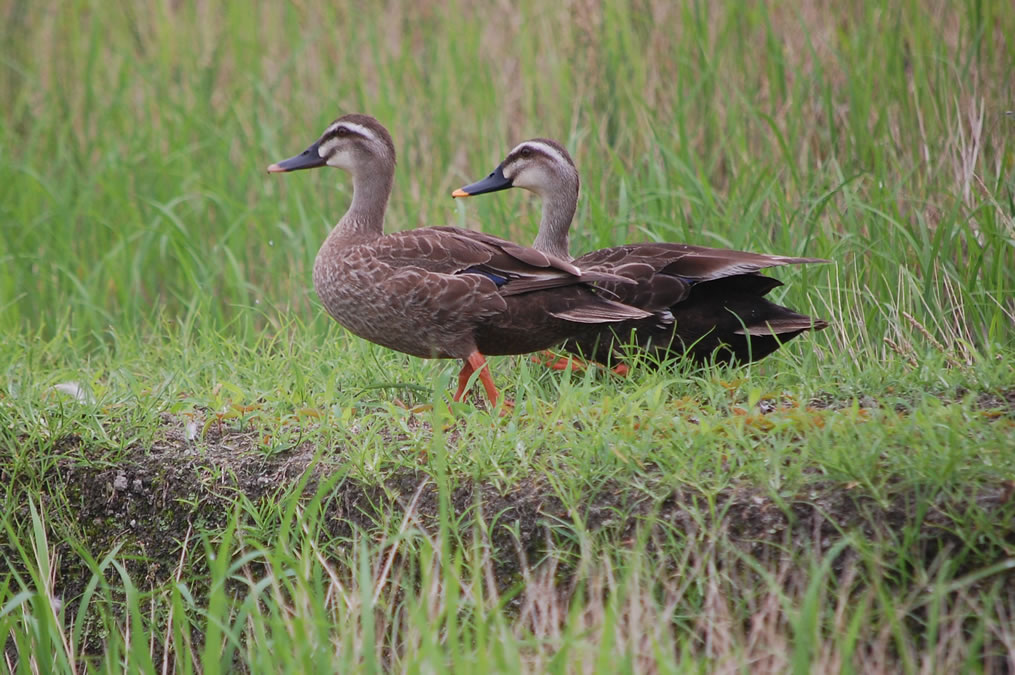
x,y
995,403
1002,401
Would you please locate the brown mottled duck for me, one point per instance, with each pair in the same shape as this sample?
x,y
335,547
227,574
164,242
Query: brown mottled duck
x,y
441,292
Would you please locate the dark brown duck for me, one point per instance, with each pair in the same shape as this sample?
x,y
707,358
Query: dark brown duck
x,y
705,303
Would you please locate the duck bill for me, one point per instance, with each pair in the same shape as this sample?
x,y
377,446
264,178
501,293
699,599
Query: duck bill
x,y
492,183
308,159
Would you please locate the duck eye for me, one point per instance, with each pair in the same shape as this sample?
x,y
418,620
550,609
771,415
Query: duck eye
x,y
526,152
342,131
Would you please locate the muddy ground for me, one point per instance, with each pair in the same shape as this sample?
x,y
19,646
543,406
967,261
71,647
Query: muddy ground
x,y
155,498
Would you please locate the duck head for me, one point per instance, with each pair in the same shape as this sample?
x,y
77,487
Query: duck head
x,y
540,165
545,168
351,142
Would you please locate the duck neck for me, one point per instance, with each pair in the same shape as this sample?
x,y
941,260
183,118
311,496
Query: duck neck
x,y
364,221
558,211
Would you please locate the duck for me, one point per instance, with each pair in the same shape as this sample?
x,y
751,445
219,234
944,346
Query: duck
x,y
441,292
707,304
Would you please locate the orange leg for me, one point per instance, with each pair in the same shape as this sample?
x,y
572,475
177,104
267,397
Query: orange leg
x,y
477,362
463,379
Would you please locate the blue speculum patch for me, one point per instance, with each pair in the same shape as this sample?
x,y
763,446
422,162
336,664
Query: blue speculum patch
x,y
495,278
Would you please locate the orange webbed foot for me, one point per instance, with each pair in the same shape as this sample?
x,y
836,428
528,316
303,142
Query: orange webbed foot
x,y
555,362
573,363
507,407
415,409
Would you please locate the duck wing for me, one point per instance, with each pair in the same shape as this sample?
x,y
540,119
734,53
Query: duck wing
x,y
513,268
697,263
662,274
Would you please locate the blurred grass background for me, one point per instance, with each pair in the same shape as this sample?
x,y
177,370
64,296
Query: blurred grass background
x,y
135,136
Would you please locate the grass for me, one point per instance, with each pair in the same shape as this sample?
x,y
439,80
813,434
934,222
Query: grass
x,y
202,472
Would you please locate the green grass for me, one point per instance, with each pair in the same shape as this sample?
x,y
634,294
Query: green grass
x,y
238,483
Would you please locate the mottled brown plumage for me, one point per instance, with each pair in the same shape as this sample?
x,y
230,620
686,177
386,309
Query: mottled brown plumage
x,y
706,303
440,292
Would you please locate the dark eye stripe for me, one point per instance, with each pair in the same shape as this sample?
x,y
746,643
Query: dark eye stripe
x,y
546,149
341,131
527,152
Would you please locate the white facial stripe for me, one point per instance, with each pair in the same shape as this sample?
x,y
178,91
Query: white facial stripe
x,y
361,130
353,127
546,149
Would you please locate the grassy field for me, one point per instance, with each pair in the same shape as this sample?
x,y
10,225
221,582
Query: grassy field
x,y
202,472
